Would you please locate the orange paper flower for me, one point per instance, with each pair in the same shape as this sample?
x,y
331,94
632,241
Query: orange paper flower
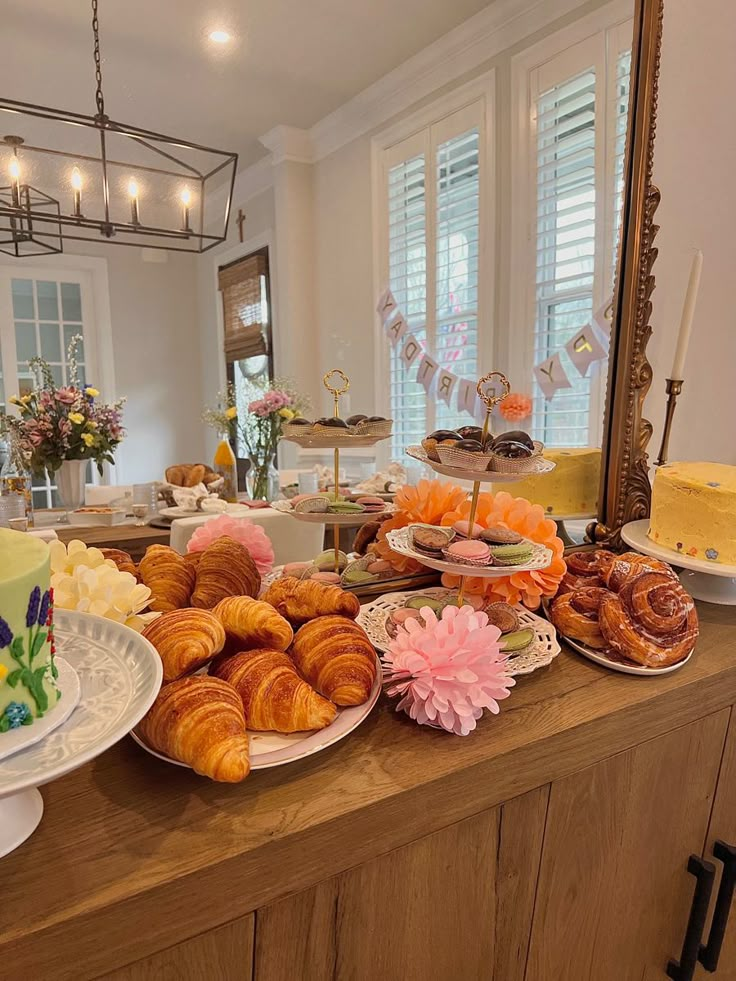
x,y
504,511
516,407
427,503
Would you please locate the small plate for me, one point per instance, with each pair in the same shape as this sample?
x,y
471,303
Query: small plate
x,y
400,542
542,466
324,518
269,749
636,669
234,510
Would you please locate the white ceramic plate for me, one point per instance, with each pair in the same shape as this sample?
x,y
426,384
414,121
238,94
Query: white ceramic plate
x,y
400,542
635,534
120,675
23,737
268,749
330,442
539,654
236,510
636,669
323,518
542,466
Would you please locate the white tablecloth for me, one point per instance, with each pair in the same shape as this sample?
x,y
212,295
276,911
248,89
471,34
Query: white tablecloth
x,y
292,540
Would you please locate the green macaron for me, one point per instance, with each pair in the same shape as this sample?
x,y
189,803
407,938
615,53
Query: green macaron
x,y
517,641
512,554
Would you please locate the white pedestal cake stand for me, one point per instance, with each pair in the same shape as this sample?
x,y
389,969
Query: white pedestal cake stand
x,y
711,582
120,675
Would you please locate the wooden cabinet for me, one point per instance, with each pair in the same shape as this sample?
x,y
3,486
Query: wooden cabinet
x,y
456,904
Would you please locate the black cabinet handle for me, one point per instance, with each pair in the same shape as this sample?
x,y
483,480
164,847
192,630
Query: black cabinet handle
x,y
710,952
704,873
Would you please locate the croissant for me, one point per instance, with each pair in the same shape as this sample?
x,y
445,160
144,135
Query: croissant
x,y
630,565
336,657
169,576
200,721
187,474
123,560
249,623
274,696
652,620
185,640
225,569
302,601
576,614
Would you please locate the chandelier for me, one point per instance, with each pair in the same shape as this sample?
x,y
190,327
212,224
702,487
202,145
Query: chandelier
x,y
88,178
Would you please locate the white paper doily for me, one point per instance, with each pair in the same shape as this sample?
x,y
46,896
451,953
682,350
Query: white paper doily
x,y
542,652
400,542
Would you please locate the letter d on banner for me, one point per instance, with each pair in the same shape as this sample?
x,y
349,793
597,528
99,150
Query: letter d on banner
x,y
410,351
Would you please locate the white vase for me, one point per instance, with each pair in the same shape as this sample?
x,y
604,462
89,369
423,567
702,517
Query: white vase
x,y
71,478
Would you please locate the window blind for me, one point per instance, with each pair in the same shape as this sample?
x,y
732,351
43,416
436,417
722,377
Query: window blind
x,y
244,318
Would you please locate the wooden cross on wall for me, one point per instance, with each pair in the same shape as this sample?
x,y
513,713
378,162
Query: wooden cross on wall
x,y
239,222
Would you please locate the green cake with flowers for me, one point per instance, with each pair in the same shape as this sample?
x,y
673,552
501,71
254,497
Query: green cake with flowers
x,y
27,672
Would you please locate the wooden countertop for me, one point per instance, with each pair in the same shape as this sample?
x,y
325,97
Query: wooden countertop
x,y
134,855
131,538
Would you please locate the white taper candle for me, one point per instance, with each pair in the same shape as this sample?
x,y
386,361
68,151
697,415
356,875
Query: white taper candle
x,y
686,323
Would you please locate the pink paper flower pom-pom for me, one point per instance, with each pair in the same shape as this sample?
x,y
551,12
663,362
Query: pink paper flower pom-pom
x,y
242,530
448,670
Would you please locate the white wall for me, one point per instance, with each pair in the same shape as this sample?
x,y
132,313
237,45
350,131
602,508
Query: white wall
x,y
694,167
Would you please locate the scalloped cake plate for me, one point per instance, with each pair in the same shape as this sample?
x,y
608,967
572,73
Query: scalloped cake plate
x,y
485,476
323,518
26,736
269,749
399,541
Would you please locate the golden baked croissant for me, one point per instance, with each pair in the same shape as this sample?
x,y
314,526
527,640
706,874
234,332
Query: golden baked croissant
x,y
190,474
225,569
302,601
169,576
652,620
629,565
200,721
249,623
576,615
123,560
186,640
336,657
274,696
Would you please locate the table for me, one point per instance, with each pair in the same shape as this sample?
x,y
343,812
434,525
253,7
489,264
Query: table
x,y
292,540
128,536
552,843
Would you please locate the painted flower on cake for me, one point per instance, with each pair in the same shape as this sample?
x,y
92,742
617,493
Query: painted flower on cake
x,y
16,714
24,650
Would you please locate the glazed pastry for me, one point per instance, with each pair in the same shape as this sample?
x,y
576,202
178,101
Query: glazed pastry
x,y
200,721
250,623
356,419
630,565
652,620
186,640
586,569
274,697
169,577
299,601
225,569
122,560
503,616
441,437
576,615
336,657
472,432
514,445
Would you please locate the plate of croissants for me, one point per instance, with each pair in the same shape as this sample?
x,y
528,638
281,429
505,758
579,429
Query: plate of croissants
x,y
626,612
249,682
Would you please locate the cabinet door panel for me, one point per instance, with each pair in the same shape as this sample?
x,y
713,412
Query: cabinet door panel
x,y
614,893
456,904
225,953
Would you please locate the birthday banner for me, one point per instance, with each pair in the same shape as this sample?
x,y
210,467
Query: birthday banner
x,y
589,344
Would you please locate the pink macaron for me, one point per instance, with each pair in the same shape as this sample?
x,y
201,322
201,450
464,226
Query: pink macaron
x,y
379,568
469,550
327,578
295,568
462,528
372,504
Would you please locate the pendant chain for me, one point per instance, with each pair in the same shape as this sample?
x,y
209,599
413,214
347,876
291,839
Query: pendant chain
x,y
99,98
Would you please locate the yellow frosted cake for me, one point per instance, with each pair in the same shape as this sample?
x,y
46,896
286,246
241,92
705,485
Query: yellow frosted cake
x,y
694,510
27,671
570,489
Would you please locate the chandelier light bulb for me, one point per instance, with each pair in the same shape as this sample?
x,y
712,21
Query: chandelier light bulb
x,y
77,188
133,192
76,179
133,187
186,197
220,37
14,169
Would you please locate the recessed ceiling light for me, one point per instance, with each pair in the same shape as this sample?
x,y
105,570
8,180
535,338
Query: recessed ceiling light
x,y
220,37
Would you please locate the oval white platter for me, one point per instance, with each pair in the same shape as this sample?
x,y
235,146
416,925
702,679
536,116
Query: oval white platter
x,y
323,518
23,737
637,669
400,542
234,510
269,749
539,654
485,476
120,675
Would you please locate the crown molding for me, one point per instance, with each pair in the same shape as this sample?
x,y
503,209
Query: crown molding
x,y
288,143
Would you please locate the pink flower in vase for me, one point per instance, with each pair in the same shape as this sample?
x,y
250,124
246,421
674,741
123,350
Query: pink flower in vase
x,y
67,396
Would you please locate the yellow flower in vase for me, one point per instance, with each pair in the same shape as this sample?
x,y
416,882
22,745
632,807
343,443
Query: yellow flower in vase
x,y
231,413
92,392
88,439
77,418
287,414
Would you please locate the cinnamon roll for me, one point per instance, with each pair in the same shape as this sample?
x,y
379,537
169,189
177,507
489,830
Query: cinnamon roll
x,y
576,614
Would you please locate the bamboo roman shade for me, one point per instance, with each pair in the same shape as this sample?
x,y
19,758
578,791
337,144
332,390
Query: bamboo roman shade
x,y
240,284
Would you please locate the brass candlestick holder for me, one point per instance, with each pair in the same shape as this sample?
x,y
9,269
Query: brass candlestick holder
x,y
489,397
674,387
336,390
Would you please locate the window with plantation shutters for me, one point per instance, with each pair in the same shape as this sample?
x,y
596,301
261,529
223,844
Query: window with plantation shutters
x,y
570,203
433,210
245,309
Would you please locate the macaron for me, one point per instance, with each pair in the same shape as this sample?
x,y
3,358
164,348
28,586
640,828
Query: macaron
x,y
325,561
470,550
501,536
431,541
419,601
397,619
311,504
380,568
327,578
512,554
372,504
517,641
470,599
353,577
295,568
462,528
344,507
503,616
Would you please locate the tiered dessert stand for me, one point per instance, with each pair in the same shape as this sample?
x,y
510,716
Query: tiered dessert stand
x,y
400,540
712,582
334,442
109,677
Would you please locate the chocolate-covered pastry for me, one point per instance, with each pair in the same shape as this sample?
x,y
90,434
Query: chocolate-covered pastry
x,y
440,437
471,432
515,445
375,419
469,445
354,420
333,422
300,421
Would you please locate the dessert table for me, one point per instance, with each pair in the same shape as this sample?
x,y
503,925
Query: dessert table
x,y
127,536
552,843
293,541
